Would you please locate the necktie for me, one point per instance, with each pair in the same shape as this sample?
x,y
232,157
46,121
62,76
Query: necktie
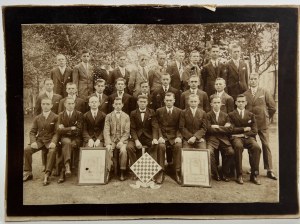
x,y
69,114
180,71
194,112
94,115
100,98
253,92
166,90
241,114
217,117
145,73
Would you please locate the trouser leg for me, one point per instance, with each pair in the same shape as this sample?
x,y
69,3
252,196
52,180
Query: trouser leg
x,y
227,158
28,157
66,149
267,155
213,163
161,155
177,156
50,160
254,152
238,147
123,157
132,150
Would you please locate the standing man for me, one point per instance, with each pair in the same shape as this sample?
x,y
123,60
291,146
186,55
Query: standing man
x,y
243,136
236,76
145,92
261,103
116,133
143,131
61,75
194,83
155,73
175,69
83,76
169,136
192,69
42,137
99,93
212,70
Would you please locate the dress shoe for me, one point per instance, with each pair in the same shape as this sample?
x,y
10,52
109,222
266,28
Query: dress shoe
x,y
134,177
68,170
61,178
178,178
239,180
254,179
160,178
27,176
122,176
271,175
225,178
46,179
217,177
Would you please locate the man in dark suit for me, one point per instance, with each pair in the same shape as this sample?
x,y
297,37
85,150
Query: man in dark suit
x,y
193,125
169,136
48,83
99,93
61,75
156,71
42,137
128,101
83,76
261,103
145,92
194,83
93,124
159,94
70,123
219,129
212,70
175,69
236,76
192,69
80,105
143,131
243,136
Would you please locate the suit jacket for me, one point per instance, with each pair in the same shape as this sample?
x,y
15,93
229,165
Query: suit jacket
x,y
236,78
262,105
104,104
100,73
239,124
75,120
158,97
148,127
168,124
110,127
80,105
204,102
84,80
218,134
128,102
55,101
188,71
227,103
209,74
60,80
190,126
115,74
155,78
176,82
136,77
93,128
43,131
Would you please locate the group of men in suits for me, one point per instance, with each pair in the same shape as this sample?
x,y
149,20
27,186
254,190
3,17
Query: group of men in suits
x,y
162,109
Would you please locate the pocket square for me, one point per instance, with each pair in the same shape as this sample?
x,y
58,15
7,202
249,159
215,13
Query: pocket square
x,y
249,121
52,123
106,102
261,97
244,68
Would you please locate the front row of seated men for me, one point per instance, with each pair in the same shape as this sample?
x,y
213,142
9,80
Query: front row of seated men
x,y
145,129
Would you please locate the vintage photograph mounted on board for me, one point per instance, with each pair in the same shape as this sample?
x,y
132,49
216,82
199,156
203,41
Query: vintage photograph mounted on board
x,y
155,88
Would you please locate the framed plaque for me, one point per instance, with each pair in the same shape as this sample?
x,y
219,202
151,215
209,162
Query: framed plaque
x,y
195,167
92,166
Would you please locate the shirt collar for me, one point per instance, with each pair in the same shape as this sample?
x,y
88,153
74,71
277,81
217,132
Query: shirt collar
x,y
193,90
49,93
178,64
141,68
254,88
168,87
74,96
93,111
171,109
70,112
220,93
240,110
142,110
46,114
122,93
216,112
193,110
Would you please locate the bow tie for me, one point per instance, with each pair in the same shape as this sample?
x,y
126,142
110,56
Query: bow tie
x,y
142,112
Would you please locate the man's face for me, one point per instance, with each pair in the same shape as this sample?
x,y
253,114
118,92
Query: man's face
x,y
193,102
118,105
49,85
253,80
195,57
61,60
214,53
122,61
180,56
216,104
71,90
145,88
94,103
120,85
241,103
194,83
220,85
85,57
161,59
165,80
169,101
46,105
70,104
107,60
142,103
236,53
99,87
143,61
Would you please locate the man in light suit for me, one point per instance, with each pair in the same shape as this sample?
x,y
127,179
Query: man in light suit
x,y
261,103
236,76
194,83
99,93
219,129
71,90
139,75
192,69
116,133
42,137
169,136
83,76
156,71
61,75
175,69
212,70
193,125
243,136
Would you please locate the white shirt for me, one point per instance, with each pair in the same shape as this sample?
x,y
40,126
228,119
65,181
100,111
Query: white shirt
x,y
217,115
62,69
166,88
94,113
69,113
169,110
193,91
253,90
85,65
236,62
180,68
145,94
46,114
243,111
220,93
142,70
49,94
193,111
118,113
122,70
214,63
74,96
99,95
120,94
142,114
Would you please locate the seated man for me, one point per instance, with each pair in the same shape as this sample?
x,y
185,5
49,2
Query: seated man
x,y
193,125
70,123
243,136
143,131
116,133
218,130
169,136
103,99
42,137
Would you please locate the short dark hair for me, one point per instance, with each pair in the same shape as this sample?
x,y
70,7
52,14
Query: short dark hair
x,y
85,51
214,46
48,79
71,84
241,96
99,81
143,82
170,94
214,96
69,98
120,79
118,99
46,98
194,51
142,97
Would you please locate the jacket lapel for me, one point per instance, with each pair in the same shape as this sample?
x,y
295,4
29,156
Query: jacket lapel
x,y
231,63
257,94
82,68
212,69
90,117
